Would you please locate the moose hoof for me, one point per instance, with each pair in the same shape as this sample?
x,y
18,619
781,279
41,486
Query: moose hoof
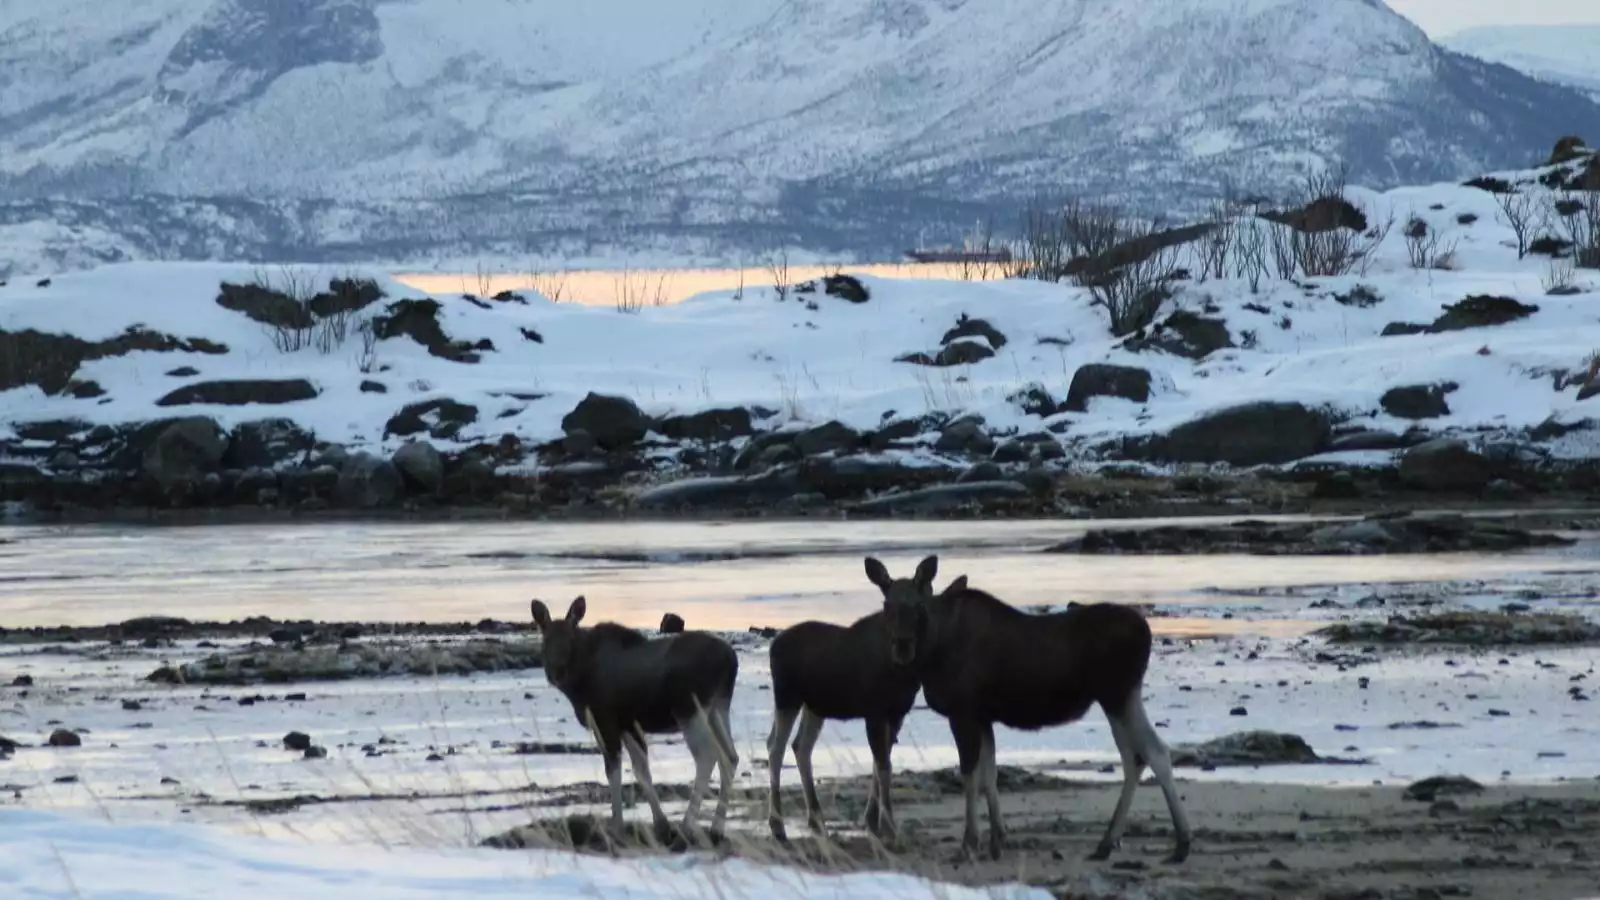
x,y
1101,853
1179,853
779,832
817,826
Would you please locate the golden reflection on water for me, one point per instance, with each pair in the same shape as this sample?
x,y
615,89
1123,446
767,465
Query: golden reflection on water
x,y
658,287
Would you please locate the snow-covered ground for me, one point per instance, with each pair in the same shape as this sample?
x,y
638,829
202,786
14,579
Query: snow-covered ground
x,y
813,357
47,856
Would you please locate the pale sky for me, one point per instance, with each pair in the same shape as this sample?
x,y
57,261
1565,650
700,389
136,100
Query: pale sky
x,y
1441,17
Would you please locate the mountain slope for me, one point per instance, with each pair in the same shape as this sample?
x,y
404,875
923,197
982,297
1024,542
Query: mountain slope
x,y
1564,54
844,124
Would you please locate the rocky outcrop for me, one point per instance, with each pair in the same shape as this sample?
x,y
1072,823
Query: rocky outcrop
x,y
48,361
442,419
708,425
1467,628
420,465
1184,334
1373,535
1247,435
367,482
1444,464
184,451
1105,380
419,320
613,422
266,443
241,393
1417,401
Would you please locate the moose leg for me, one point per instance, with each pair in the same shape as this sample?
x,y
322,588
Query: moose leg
x,y
702,743
969,750
1148,745
777,744
613,761
1132,768
804,743
727,760
880,816
991,791
639,755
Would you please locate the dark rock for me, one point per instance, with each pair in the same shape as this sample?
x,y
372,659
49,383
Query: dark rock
x,y
983,471
828,437
1246,748
1417,401
315,752
1361,297
1104,380
1430,789
1247,435
1338,485
421,465
132,706
345,295
1481,311
85,390
1185,334
965,436
671,623
183,372
692,493
1395,329
1322,214
266,443
373,387
1378,534
365,482
22,681
846,287
419,320
64,738
296,740
708,425
1035,400
947,496
962,353
579,443
894,431
184,450
1013,452
1549,245
973,328
1468,629
265,305
614,422
1444,464
241,393
441,419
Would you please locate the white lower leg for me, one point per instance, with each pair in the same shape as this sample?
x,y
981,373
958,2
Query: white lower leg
x,y
804,743
639,755
703,747
1150,746
1132,768
777,745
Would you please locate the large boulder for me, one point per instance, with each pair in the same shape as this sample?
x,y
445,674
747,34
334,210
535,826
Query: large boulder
x,y
266,443
613,422
421,465
708,425
1185,334
966,435
1248,435
241,392
1417,401
265,305
967,328
1445,464
442,419
1481,311
419,320
829,437
365,481
1104,380
185,450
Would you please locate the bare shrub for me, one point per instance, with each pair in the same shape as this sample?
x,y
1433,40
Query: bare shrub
x,y
1423,245
1579,217
778,270
367,361
1078,230
633,291
1132,293
1560,277
1325,249
1520,214
552,286
1250,251
1215,246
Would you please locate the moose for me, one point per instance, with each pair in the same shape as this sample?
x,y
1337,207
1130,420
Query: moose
x,y
824,671
982,662
624,685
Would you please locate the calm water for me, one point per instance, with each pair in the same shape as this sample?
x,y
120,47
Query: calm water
x,y
716,575
655,287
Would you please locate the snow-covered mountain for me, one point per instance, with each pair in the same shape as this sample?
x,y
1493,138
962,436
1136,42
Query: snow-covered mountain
x,y
409,128
1565,54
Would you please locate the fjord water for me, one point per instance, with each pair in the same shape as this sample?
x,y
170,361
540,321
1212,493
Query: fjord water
x,y
718,575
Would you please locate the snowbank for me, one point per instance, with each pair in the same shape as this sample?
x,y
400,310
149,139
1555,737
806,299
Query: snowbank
x,y
48,856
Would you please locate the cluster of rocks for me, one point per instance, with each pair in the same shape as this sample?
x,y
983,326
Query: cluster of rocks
x,y
1383,533
1468,628
1251,748
262,664
159,631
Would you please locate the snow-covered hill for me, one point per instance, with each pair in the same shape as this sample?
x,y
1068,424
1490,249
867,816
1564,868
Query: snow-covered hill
x,y
835,124
1565,54
1456,335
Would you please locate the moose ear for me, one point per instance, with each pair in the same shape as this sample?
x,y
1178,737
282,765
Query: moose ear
x,y
957,586
541,615
576,610
926,570
878,575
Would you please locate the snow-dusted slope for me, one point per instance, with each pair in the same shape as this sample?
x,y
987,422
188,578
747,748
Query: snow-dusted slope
x,y
852,124
1566,54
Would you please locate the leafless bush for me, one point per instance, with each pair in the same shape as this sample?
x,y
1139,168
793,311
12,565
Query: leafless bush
x,y
1423,245
1250,251
1560,277
1214,247
1077,230
1324,249
778,269
367,362
1579,216
633,291
1133,292
1519,213
485,280
552,285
